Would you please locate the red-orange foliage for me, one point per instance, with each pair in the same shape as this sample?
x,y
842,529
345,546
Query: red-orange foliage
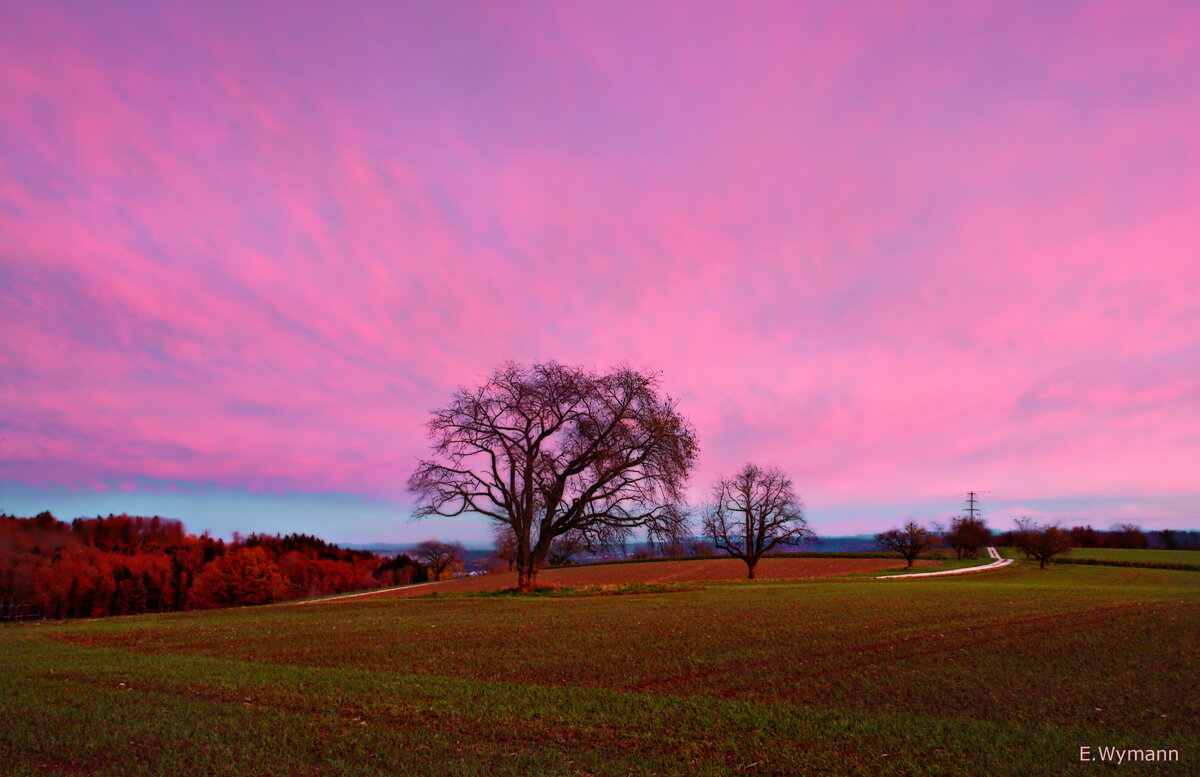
x,y
245,576
123,564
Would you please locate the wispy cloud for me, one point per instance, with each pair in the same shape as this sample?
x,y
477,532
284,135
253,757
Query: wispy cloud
x,y
899,253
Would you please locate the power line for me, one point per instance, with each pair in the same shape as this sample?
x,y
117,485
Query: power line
x,y
972,510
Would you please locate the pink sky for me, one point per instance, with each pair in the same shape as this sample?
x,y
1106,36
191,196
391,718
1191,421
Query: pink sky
x,y
901,253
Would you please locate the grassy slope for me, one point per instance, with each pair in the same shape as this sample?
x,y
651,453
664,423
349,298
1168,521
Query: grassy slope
x,y
1125,555
1006,672
1151,556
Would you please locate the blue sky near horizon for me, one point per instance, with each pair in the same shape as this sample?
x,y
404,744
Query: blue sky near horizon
x,y
352,519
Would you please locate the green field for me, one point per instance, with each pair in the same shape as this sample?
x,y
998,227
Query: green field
x,y
999,673
1149,556
1122,555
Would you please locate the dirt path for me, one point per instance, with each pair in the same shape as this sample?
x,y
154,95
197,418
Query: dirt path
x,y
365,593
996,564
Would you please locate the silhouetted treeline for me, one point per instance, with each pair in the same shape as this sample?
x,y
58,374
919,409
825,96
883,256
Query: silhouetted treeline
x,y
121,564
1121,536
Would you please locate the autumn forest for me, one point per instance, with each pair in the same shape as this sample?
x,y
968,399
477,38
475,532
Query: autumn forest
x,y
124,565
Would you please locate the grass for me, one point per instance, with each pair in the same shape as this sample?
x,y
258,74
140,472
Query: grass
x,y
1151,556
1001,673
1128,557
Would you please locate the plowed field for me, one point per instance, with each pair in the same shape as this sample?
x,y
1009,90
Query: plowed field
x,y
698,571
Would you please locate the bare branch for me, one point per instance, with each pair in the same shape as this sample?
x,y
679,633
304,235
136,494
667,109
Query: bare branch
x,y
753,512
549,449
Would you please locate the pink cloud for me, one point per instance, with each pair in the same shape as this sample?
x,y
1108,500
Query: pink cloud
x,y
898,254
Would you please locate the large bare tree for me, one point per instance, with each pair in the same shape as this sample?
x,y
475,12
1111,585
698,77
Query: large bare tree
x,y
754,511
549,449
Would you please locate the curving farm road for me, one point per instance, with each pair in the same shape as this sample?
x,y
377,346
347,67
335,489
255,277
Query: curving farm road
x,y
362,593
996,564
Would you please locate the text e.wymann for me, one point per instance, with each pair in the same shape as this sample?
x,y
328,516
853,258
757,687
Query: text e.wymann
x,y
1116,755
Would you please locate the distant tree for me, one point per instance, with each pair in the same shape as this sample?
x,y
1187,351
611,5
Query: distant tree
x,y
966,535
753,512
602,539
643,553
949,537
611,540
909,541
1020,535
671,539
565,547
505,542
1186,539
550,449
245,576
1127,535
1085,537
439,557
400,570
1045,542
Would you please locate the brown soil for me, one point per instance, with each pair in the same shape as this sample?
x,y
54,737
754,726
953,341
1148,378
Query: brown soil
x,y
701,570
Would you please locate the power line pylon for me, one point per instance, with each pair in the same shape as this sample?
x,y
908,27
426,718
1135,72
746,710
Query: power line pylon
x,y
972,510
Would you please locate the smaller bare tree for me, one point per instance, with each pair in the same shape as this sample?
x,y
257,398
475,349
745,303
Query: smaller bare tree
x,y
966,535
909,541
1020,535
1045,542
439,557
565,547
754,511
973,534
669,539
506,546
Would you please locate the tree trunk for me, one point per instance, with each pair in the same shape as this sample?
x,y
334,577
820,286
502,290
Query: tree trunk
x,y
527,572
750,574
1043,563
910,562
527,577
